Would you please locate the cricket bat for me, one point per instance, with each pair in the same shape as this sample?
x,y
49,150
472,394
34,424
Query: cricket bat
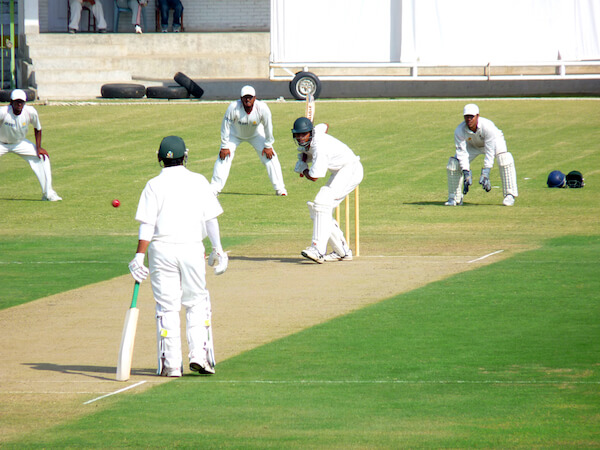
x,y
309,111
128,338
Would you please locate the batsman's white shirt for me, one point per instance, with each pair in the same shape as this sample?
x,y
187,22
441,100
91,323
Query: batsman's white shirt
x,y
178,203
13,129
246,126
327,153
487,140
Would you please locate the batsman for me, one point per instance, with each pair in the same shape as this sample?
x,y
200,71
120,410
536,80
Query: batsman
x,y
176,211
324,152
473,137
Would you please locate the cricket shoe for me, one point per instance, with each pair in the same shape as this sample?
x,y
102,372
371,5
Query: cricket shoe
x,y
313,254
281,192
333,256
171,372
51,197
202,367
509,200
138,29
452,202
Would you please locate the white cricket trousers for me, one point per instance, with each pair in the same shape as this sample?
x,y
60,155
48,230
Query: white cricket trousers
x,y
97,11
40,166
178,275
325,227
223,166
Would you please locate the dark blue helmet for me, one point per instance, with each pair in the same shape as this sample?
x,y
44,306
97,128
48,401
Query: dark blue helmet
x,y
557,179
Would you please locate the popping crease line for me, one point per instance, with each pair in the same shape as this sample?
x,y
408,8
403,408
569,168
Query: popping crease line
x,y
518,382
114,393
485,256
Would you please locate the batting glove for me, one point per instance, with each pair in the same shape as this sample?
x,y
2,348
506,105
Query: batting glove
x,y
468,181
300,167
139,272
221,267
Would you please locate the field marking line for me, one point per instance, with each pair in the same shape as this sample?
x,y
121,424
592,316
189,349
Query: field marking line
x,y
115,392
485,256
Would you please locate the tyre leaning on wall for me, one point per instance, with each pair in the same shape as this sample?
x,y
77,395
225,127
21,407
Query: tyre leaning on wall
x,y
305,83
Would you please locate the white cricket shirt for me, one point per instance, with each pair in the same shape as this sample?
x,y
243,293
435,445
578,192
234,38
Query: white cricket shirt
x,y
13,129
178,203
245,126
328,153
483,139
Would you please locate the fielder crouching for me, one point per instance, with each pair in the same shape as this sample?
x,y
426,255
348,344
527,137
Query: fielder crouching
x,y
325,152
176,211
473,137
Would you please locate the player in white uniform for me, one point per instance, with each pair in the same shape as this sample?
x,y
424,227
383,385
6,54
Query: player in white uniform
x,y
177,210
14,125
473,137
247,120
324,152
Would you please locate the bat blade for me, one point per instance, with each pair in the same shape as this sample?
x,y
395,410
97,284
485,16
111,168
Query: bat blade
x,y
128,338
310,107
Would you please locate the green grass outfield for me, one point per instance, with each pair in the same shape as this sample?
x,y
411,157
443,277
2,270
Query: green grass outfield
x,y
503,356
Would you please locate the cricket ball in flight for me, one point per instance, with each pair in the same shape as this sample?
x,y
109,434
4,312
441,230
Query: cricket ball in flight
x,y
116,203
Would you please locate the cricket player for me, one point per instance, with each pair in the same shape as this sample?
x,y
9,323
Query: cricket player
x,y
324,152
14,125
473,137
247,120
176,211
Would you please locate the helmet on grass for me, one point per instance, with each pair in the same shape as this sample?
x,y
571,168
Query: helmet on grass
x,y
575,179
556,179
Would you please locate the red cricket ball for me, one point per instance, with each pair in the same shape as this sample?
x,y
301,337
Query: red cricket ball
x,y
116,203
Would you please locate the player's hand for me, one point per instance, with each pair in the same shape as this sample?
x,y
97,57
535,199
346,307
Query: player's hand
x,y
468,181
484,180
224,153
139,272
220,259
268,152
42,154
301,166
305,172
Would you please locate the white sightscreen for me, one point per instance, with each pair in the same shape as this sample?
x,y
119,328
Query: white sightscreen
x,y
434,31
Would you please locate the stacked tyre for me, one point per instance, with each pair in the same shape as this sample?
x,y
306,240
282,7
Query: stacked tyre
x,y
184,88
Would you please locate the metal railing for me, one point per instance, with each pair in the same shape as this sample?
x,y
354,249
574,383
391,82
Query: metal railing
x,y
534,70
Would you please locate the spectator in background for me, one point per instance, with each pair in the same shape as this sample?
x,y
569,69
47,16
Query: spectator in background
x,y
165,6
94,6
136,7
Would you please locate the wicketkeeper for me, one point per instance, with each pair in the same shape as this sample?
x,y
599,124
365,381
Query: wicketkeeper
x,y
473,137
177,210
324,152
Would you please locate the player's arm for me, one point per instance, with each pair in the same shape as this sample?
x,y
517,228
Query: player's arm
x,y
38,143
306,173
228,119
267,121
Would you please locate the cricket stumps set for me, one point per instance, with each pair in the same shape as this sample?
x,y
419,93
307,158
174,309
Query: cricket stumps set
x,y
347,220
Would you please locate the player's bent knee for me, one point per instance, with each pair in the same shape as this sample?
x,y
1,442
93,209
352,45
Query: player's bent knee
x,y
453,164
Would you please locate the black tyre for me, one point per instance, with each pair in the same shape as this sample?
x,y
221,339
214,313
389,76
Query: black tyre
x,y
192,87
123,90
170,92
305,83
5,95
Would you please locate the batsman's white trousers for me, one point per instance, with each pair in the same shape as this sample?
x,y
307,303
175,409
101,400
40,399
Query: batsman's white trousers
x,y
223,166
178,275
339,185
40,166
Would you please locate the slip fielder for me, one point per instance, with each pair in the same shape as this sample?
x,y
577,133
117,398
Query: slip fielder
x,y
14,125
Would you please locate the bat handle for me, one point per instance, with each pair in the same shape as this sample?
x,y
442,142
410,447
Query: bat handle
x,y
136,289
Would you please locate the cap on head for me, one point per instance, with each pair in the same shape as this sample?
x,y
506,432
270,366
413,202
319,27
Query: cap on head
x,y
171,147
18,94
248,90
471,110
